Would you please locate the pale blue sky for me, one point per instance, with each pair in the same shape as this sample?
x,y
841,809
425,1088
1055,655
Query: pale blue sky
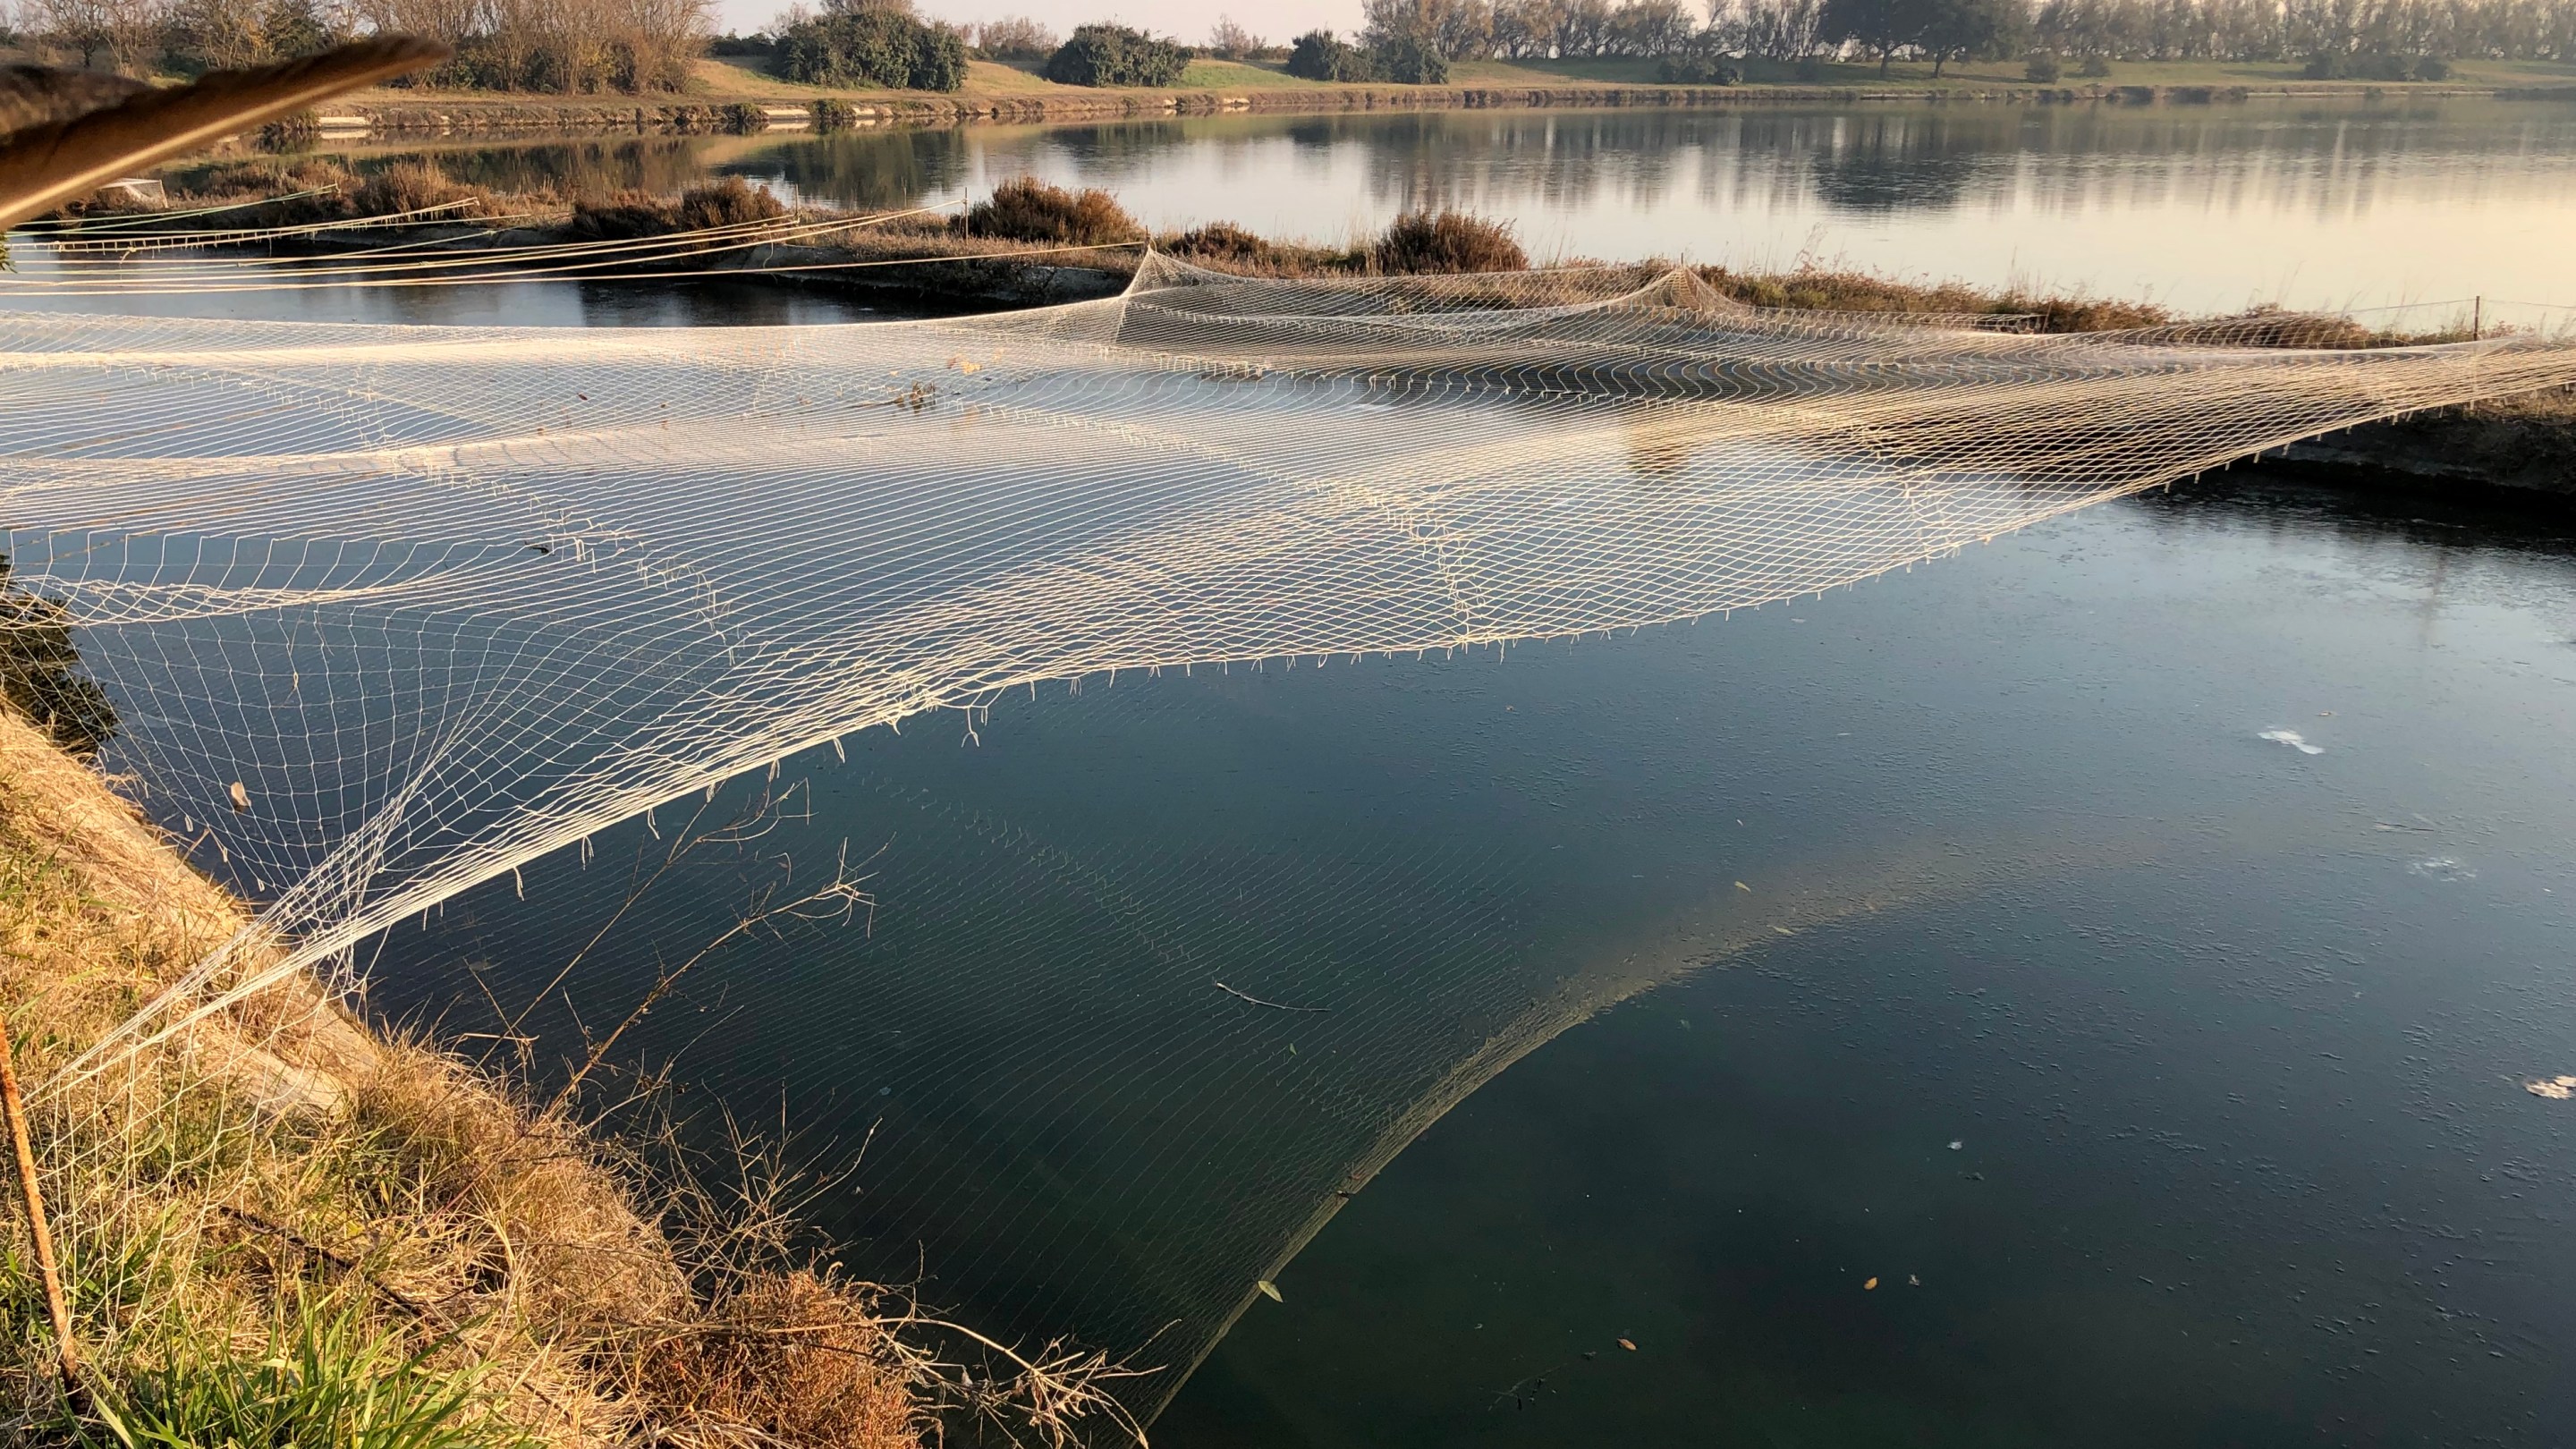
x,y
1277,20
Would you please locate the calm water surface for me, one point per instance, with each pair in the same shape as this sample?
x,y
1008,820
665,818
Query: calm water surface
x,y
2209,206
2230,1037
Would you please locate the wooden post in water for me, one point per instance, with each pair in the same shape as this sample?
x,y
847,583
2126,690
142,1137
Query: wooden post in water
x,y
16,1107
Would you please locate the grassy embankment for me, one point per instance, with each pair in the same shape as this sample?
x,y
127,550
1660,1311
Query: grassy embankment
x,y
742,92
281,1227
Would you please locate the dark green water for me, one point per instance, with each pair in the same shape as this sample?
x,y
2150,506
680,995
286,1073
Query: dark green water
x,y
2231,1036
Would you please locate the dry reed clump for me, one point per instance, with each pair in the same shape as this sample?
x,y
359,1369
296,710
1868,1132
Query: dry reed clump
x,y
338,192
1026,209
729,202
797,1358
1445,242
1223,246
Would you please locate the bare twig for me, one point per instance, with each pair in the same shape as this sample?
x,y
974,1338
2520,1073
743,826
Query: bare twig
x,y
1257,1001
55,1307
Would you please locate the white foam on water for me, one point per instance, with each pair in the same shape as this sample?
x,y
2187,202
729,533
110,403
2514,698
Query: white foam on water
x,y
2293,739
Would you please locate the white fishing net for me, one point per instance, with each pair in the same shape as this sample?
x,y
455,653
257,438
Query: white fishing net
x,y
385,612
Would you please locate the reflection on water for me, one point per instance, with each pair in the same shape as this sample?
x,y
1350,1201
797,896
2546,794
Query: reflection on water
x,y
2207,206
41,284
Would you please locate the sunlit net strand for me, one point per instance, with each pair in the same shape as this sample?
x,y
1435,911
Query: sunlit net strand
x,y
765,229
45,227
574,260
151,241
445,600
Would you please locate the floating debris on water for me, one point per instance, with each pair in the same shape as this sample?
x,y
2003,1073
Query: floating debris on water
x,y
2556,1089
2441,867
2293,739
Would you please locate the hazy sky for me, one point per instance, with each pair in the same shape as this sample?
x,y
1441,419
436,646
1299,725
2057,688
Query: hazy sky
x,y
1278,20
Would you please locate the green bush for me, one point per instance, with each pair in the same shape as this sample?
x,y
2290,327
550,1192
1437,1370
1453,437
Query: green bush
x,y
1320,55
2041,68
1410,60
874,48
1697,70
2095,66
1113,55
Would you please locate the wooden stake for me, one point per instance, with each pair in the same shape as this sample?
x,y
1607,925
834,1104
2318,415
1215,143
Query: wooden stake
x,y
17,1112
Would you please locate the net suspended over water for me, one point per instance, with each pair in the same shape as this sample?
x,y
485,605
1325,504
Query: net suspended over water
x,y
385,612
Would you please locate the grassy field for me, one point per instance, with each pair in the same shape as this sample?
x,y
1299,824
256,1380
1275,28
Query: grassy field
x,y
732,78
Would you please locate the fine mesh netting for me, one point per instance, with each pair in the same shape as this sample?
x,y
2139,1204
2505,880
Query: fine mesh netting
x,y
386,612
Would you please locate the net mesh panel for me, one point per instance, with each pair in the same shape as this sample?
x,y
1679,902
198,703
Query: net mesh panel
x,y
387,612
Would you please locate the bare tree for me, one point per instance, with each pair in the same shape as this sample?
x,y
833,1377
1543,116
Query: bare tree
x,y
1014,37
1232,41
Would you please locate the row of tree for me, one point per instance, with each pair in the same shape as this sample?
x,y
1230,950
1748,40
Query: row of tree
x,y
1944,30
538,45
646,45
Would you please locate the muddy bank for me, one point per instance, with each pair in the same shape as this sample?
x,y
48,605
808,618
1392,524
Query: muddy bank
x,y
2518,447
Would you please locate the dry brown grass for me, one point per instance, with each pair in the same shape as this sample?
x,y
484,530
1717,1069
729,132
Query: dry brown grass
x,y
728,203
798,1358
210,1188
1026,209
1829,290
340,193
1431,243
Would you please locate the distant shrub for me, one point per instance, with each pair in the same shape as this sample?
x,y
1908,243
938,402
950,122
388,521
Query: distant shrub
x,y
744,45
413,186
1218,241
2041,68
834,115
1446,242
1320,55
728,202
1229,41
873,48
1027,209
1014,37
1410,60
1697,70
1113,55
2375,65
2095,66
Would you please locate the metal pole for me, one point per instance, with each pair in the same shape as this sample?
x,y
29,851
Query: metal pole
x,y
17,1112
2477,317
